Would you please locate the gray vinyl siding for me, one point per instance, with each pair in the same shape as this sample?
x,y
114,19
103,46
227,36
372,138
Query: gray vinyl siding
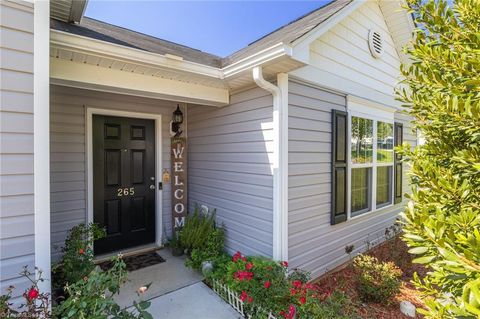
x,y
314,244
230,152
17,246
68,153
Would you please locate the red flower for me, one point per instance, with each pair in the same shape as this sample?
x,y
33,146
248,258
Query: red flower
x,y
243,275
248,266
243,295
297,284
293,292
236,256
81,251
267,284
302,300
250,299
284,264
291,312
32,293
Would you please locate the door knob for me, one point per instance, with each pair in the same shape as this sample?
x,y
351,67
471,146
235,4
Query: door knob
x,y
152,186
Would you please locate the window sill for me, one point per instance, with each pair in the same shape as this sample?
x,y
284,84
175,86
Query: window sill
x,y
381,210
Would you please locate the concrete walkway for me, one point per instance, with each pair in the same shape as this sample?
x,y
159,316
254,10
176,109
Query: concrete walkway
x,y
196,301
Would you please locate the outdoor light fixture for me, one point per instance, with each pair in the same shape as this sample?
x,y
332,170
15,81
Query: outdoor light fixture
x,y
177,120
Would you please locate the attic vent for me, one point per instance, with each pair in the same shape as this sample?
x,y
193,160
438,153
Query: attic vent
x,y
375,43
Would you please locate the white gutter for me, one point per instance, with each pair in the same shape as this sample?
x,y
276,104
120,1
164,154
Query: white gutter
x,y
280,160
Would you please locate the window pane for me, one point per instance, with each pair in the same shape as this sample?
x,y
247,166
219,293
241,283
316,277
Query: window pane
x,y
384,142
361,140
361,181
384,186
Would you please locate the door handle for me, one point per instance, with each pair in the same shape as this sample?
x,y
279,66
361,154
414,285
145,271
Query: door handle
x,y
152,186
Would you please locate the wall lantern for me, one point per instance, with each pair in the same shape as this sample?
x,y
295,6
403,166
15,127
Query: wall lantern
x,y
177,120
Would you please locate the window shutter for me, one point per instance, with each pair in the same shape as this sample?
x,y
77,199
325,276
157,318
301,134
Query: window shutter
x,y
339,167
398,136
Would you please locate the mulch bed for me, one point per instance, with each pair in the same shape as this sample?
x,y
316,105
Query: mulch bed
x,y
345,280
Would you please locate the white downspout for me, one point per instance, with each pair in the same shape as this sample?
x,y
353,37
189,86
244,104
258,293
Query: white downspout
x,y
280,160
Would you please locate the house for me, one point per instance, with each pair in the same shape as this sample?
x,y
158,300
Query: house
x,y
290,139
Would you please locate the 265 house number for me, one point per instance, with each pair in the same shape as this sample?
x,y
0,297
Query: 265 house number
x,y
125,191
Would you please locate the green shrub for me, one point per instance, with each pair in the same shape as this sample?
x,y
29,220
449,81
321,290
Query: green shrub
x,y
377,281
196,230
442,220
92,296
212,249
336,306
77,259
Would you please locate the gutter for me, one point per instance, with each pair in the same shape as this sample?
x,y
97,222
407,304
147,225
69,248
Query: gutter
x,y
280,160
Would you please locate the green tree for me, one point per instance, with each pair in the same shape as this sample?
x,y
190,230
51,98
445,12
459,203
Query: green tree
x,y
441,90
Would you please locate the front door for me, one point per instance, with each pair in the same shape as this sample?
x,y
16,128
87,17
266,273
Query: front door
x,y
123,181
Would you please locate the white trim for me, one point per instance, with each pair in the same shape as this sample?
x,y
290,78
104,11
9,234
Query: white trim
x,y
41,148
158,162
87,76
85,45
275,51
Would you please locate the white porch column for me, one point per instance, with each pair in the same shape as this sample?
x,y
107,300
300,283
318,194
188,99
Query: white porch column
x,y
41,131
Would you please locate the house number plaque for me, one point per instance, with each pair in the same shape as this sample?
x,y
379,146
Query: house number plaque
x,y
179,181
125,191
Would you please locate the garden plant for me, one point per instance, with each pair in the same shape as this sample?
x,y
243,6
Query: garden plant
x,y
441,90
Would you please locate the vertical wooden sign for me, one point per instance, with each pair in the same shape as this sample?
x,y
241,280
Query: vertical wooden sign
x,y
179,181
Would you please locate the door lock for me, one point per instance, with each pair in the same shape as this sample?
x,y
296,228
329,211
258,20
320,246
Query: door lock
x,y
160,185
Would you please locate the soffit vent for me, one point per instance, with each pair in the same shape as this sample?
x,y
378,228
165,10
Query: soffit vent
x,y
375,43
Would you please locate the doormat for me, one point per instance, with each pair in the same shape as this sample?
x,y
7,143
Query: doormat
x,y
136,262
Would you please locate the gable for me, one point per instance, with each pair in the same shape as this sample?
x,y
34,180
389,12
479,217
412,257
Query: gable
x,y
341,59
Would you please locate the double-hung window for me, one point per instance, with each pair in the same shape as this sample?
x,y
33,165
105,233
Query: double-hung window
x,y
371,164
366,173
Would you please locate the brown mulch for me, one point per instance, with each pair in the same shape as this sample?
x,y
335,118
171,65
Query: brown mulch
x,y
345,280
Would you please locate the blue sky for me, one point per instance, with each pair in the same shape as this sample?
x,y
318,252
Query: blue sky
x,y
218,27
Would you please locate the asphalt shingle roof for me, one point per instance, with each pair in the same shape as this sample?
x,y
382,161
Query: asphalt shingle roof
x,y
114,34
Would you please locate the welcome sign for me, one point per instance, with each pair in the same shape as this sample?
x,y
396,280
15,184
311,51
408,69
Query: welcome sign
x,y
179,181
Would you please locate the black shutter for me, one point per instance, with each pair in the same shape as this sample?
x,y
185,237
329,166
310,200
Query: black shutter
x,y
339,167
398,136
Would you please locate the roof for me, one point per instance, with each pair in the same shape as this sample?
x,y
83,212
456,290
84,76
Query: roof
x,y
287,34
68,10
290,32
103,31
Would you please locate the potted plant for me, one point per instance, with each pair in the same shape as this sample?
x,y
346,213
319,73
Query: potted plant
x,y
176,246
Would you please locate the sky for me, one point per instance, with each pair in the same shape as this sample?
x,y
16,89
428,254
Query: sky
x,y
217,27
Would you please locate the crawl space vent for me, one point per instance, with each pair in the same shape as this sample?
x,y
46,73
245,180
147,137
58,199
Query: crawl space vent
x,y
375,43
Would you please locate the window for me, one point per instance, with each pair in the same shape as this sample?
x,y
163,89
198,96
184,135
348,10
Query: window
x,y
371,164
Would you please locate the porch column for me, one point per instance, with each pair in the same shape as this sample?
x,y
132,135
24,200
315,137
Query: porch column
x,y
41,139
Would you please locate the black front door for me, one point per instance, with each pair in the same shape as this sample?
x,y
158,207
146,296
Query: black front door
x,y
123,181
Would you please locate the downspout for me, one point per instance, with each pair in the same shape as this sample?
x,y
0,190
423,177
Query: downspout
x,y
280,160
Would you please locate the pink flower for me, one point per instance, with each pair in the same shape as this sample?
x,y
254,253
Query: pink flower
x,y
293,292
243,295
250,299
302,300
236,256
267,284
248,266
284,264
291,312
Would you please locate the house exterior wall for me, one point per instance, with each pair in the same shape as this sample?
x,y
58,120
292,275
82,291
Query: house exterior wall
x,y
230,168
340,61
17,242
69,158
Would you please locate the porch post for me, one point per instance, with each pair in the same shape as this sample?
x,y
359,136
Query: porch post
x,y
41,131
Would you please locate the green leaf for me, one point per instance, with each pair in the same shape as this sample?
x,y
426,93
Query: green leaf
x,y
418,250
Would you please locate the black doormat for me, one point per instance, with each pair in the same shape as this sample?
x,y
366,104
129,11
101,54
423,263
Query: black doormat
x,y
136,262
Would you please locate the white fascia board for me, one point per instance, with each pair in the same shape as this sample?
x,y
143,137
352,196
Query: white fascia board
x,y
257,59
98,48
301,46
82,75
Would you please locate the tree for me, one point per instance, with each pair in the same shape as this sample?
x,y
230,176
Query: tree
x,y
441,90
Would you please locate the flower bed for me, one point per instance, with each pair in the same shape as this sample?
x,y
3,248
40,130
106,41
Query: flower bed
x,y
233,299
